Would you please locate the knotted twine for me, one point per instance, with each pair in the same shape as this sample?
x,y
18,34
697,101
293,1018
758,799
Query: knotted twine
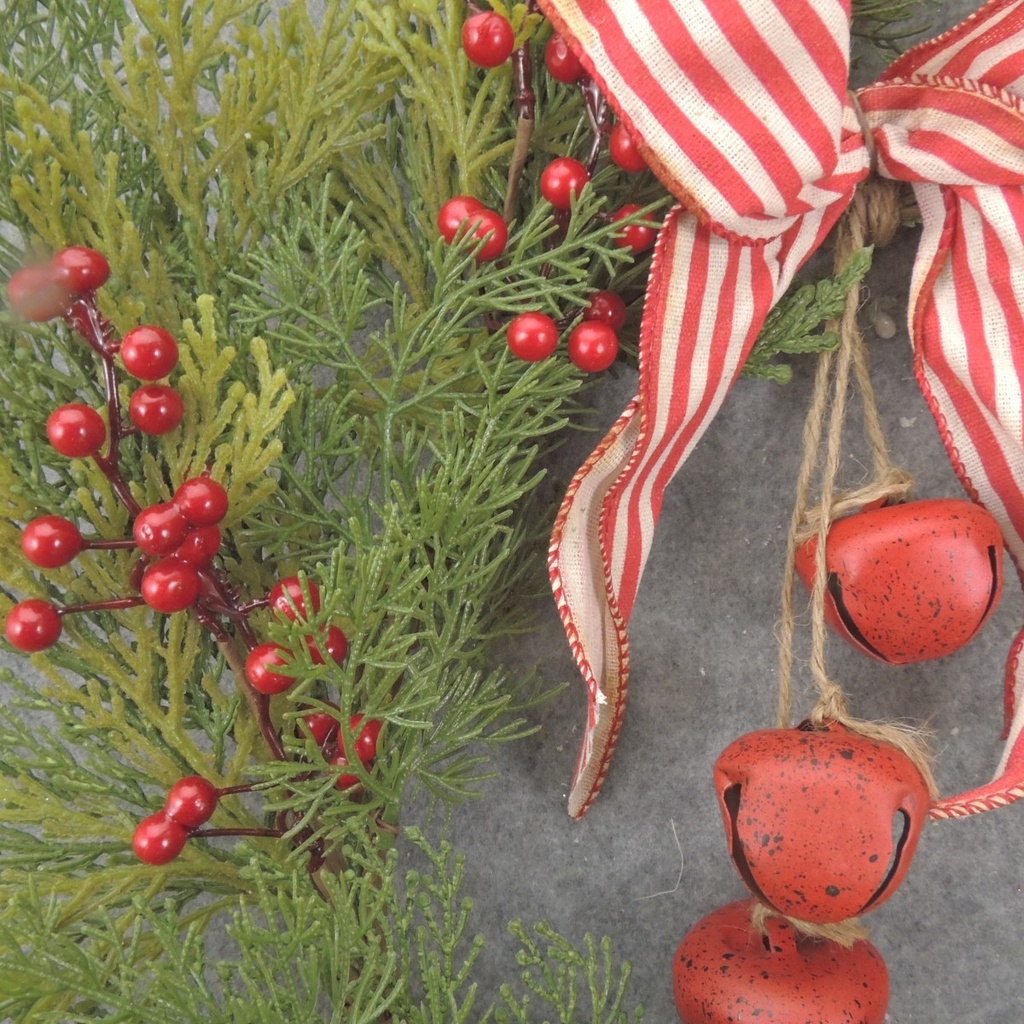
x,y
741,108
874,215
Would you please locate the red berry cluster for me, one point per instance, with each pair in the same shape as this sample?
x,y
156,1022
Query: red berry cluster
x,y
177,541
162,836
288,599
488,39
325,730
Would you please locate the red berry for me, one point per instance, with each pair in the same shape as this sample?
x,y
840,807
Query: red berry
x,y
80,269
200,546
593,346
606,308
623,150
345,780
453,215
321,725
366,738
333,641
36,293
532,336
170,585
158,839
76,431
51,541
562,180
203,502
562,63
155,409
191,801
488,39
32,625
159,529
638,237
468,214
260,665
287,598
148,352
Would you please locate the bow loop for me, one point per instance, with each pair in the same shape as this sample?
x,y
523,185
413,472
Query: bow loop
x,y
741,108
946,131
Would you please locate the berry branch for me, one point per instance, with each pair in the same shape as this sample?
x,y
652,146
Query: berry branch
x,y
178,542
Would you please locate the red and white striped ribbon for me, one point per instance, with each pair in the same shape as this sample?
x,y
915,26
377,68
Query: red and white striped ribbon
x,y
741,109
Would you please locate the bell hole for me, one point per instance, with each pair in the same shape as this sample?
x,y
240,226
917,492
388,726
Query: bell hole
x,y
994,574
900,835
731,798
835,590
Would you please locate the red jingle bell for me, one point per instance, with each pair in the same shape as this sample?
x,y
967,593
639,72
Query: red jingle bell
x,y
809,816
910,582
725,971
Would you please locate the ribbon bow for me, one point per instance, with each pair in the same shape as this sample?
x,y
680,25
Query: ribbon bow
x,y
741,108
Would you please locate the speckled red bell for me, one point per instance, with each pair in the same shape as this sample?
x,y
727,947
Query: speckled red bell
x,y
910,582
725,971
821,824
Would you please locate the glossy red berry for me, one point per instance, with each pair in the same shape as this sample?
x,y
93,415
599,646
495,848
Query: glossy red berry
x,y
287,599
159,529
260,668
623,150
170,585
80,269
76,431
488,39
191,801
321,725
346,780
459,214
593,346
454,214
36,293
638,237
203,502
51,541
155,409
561,62
32,625
149,352
562,181
200,546
532,336
158,839
332,642
366,737
606,308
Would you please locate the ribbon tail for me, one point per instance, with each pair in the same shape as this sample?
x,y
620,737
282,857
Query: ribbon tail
x,y
967,329
707,298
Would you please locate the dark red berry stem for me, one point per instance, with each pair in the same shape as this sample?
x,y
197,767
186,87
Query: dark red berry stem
x,y
213,833
123,543
112,605
526,102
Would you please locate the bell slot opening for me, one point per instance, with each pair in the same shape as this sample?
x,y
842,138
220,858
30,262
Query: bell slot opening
x,y
835,590
993,568
900,835
731,799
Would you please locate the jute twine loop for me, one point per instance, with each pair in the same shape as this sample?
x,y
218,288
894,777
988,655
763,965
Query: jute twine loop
x,y
874,216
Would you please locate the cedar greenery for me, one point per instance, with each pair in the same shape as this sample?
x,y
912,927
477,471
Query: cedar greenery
x,y
264,179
